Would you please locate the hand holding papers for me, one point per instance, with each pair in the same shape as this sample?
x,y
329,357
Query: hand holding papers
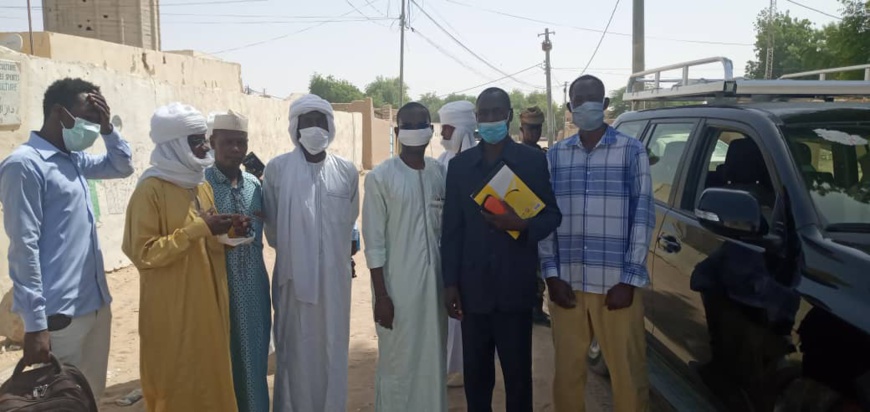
x,y
518,201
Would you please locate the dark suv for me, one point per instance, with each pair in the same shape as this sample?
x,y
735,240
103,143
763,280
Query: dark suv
x,y
760,261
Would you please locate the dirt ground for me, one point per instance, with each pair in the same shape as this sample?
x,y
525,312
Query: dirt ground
x,y
123,374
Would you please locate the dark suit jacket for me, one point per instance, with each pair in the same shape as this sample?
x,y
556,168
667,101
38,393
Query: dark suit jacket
x,y
493,271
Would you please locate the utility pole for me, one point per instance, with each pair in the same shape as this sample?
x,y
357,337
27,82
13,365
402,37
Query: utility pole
x,y
402,57
638,45
768,67
547,46
30,28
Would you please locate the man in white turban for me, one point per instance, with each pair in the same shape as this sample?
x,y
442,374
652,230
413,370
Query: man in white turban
x,y
458,122
311,204
170,236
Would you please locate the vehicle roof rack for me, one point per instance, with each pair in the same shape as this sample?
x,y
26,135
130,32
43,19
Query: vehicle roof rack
x,y
731,89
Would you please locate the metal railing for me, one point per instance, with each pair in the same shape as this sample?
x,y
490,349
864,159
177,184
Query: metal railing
x,y
824,72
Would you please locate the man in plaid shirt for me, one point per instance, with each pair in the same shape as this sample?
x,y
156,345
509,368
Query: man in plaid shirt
x,y
597,257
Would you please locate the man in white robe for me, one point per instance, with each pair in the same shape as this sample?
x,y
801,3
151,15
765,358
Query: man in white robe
x,y
457,135
402,230
311,204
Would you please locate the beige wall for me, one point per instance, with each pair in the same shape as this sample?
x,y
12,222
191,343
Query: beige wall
x,y
133,98
182,68
131,22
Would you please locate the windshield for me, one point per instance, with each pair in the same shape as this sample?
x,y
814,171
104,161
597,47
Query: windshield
x,y
835,163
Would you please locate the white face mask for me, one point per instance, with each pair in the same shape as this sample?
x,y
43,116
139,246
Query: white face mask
x,y
314,140
416,137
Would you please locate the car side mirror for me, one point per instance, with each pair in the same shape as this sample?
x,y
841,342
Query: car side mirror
x,y
731,213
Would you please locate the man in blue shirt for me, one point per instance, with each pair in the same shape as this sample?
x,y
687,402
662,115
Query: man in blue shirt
x,y
55,261
597,257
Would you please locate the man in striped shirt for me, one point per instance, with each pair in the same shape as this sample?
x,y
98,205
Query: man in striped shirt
x,y
597,257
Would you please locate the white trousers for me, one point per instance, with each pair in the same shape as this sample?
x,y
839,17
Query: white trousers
x,y
85,345
454,346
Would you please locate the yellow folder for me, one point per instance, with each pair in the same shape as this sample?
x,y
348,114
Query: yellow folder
x,y
505,185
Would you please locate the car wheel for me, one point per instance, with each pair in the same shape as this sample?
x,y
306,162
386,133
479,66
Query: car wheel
x,y
595,360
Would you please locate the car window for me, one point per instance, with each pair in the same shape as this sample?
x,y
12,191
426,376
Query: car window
x,y
666,146
632,129
834,162
735,161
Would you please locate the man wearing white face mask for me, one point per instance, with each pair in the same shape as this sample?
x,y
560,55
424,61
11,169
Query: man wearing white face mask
x,y
402,229
597,257
311,204
55,261
457,135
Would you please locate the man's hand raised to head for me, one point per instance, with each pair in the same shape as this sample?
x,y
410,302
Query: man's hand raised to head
x,y
102,107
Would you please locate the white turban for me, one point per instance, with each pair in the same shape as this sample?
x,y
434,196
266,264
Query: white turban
x,y
459,114
172,159
176,121
229,120
307,104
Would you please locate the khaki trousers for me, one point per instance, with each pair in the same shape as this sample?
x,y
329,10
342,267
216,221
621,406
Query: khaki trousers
x,y
85,345
620,334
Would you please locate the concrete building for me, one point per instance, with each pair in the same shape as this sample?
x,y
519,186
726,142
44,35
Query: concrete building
x,y
129,22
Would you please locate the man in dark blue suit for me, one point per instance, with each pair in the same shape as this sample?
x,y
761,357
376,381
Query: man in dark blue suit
x,y
490,277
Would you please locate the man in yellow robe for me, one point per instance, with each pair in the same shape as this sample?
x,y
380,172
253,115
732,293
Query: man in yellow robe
x,y
170,236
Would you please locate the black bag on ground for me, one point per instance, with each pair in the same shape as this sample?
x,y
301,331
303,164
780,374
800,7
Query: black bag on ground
x,y
55,388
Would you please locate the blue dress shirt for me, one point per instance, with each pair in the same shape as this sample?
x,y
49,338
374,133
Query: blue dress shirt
x,y
55,259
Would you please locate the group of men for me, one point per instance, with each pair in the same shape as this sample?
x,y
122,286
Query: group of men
x,y
450,287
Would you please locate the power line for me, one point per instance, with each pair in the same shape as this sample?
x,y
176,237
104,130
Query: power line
x,y
283,36
601,39
814,9
448,54
538,65
229,22
252,16
499,12
484,61
196,3
361,13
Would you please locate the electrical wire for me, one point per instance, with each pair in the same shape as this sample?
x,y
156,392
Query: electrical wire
x,y
274,21
447,53
815,10
283,36
601,39
494,81
196,3
499,12
361,13
478,57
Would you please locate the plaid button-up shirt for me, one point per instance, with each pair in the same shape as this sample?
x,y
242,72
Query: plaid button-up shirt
x,y
608,218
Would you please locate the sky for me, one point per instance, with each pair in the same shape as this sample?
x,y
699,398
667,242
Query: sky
x,y
282,43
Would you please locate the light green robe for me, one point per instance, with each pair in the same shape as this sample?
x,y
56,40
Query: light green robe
x,y
401,232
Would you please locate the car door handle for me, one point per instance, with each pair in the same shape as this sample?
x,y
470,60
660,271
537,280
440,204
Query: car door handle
x,y
669,243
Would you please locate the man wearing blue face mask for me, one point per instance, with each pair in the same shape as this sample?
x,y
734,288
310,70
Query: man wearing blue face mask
x,y
597,258
490,277
55,261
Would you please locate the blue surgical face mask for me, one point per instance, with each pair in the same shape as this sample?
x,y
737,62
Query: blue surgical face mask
x,y
81,136
493,132
588,116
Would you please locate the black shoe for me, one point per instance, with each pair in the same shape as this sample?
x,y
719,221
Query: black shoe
x,y
540,318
